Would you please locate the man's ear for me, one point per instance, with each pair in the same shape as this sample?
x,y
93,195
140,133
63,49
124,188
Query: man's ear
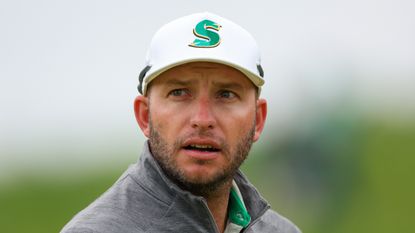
x,y
261,115
142,114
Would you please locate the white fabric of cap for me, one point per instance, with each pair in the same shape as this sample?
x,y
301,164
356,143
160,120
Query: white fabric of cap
x,y
170,47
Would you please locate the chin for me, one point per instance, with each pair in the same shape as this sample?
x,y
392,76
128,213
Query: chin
x,y
200,177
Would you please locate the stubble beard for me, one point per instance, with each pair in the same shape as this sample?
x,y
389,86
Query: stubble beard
x,y
164,155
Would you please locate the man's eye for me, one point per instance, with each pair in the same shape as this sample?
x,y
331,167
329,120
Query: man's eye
x,y
227,94
178,92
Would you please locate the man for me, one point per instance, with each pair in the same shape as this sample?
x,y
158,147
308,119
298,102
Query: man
x,y
200,110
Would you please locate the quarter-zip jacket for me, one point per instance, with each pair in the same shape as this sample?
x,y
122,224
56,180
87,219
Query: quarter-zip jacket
x,y
144,200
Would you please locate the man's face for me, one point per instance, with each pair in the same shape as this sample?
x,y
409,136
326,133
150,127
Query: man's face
x,y
202,120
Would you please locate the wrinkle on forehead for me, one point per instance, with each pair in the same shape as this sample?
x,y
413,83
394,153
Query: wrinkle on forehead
x,y
196,72
191,77
206,67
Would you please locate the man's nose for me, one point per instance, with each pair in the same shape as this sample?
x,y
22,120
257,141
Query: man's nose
x,y
203,116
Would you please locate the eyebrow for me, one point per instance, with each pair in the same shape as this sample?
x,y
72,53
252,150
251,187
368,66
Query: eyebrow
x,y
229,85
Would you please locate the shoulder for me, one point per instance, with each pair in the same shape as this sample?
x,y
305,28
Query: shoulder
x,y
125,207
271,221
77,230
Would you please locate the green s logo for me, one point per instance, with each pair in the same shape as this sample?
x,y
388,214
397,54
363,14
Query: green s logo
x,y
206,38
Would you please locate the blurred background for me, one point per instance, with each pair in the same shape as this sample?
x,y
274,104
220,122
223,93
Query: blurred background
x,y
338,151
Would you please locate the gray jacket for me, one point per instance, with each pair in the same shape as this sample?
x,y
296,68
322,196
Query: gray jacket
x,y
145,200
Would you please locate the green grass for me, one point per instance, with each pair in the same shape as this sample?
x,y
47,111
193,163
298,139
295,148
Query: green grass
x,y
45,205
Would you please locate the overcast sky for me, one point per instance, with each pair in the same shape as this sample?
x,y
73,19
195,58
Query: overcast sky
x,y
69,69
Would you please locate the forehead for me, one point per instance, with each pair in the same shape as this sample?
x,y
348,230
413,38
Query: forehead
x,y
202,71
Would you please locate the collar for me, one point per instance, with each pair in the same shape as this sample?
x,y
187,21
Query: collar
x,y
238,214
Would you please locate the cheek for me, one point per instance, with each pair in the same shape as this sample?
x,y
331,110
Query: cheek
x,y
168,120
238,121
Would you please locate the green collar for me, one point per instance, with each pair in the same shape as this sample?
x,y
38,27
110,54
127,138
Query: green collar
x,y
237,211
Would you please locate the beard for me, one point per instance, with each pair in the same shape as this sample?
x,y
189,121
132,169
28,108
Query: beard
x,y
164,155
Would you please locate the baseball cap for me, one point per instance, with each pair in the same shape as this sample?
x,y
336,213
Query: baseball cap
x,y
202,37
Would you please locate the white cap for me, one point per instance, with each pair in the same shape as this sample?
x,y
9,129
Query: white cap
x,y
202,37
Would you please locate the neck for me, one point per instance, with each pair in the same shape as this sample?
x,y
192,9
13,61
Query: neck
x,y
218,205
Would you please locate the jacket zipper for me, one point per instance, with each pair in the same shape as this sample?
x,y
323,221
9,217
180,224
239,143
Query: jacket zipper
x,y
212,220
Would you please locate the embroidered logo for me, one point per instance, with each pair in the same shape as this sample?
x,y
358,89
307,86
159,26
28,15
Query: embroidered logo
x,y
206,33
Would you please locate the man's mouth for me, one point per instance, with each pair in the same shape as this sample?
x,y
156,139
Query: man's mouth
x,y
202,148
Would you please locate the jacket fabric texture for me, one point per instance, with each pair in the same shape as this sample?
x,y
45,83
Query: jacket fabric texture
x,y
143,199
